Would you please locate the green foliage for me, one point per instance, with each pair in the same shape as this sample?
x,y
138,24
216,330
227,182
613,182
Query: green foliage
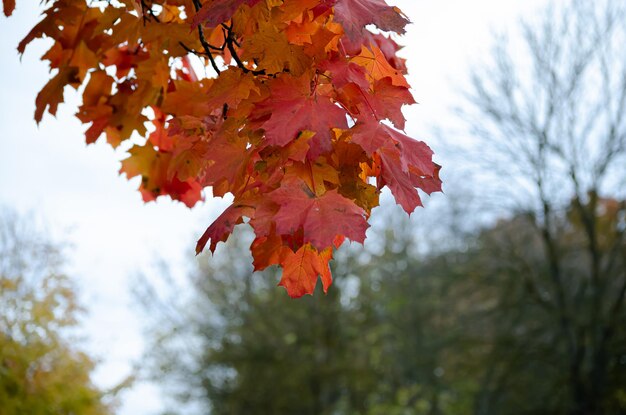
x,y
452,332
41,372
378,344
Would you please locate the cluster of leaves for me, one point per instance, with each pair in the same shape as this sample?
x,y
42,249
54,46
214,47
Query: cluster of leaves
x,y
294,122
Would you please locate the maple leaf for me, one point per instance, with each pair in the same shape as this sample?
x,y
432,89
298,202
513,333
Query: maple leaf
x,y
52,94
152,166
387,100
354,15
377,66
405,163
322,218
399,181
344,72
267,250
272,51
95,108
293,108
316,174
412,154
223,226
302,268
214,12
228,158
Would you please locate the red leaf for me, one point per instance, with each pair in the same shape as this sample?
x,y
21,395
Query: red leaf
x,y
344,72
214,12
321,218
228,157
412,154
354,15
402,183
415,156
387,101
429,184
266,251
399,181
292,108
370,135
223,226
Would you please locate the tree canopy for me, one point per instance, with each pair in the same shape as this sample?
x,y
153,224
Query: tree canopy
x,y
42,372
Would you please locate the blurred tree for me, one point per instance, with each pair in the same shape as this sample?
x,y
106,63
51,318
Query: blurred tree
x,y
520,353
550,117
377,343
409,305
249,351
41,372
402,333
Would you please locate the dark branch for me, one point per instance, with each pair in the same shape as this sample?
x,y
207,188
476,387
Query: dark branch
x,y
230,44
196,52
145,8
205,44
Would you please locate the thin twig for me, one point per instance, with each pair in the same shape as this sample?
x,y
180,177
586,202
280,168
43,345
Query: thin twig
x,y
205,44
230,44
144,8
197,52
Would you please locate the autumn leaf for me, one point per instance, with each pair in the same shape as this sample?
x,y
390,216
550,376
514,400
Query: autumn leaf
x,y
223,226
8,7
399,181
386,101
52,94
267,250
321,218
343,72
152,166
378,67
293,108
214,12
302,268
354,15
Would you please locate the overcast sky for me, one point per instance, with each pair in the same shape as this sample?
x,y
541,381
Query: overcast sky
x,y
50,172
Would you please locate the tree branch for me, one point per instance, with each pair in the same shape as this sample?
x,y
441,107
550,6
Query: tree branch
x,y
205,44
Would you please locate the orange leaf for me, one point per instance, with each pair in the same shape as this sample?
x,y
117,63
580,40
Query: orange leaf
x,y
52,94
302,268
377,67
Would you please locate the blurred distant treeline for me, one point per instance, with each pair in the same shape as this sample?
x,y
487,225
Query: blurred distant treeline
x,y
471,330
506,298
43,368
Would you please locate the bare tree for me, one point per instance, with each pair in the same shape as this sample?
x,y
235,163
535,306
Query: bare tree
x,y
549,114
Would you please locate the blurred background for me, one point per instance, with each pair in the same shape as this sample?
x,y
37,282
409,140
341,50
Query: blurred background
x,y
505,295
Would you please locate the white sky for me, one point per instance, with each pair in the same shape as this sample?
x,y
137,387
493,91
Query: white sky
x,y
49,171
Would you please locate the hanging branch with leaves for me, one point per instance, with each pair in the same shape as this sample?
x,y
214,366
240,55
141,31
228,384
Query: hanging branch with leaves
x,y
292,107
